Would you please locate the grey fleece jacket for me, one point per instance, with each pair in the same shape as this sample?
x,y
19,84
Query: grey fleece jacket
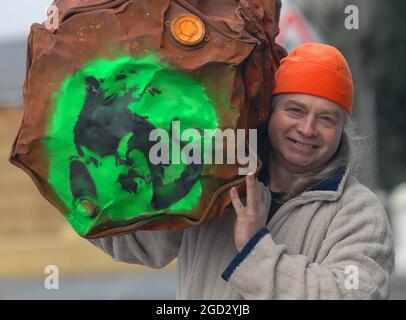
x,y
331,242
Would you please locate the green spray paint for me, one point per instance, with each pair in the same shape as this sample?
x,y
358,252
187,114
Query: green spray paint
x,y
146,89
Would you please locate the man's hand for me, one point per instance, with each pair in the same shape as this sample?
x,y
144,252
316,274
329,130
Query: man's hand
x,y
251,218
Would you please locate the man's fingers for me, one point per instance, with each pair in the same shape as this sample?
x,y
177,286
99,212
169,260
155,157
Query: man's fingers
x,y
252,191
235,199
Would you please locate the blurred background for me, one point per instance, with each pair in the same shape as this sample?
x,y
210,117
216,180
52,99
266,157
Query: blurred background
x,y
34,235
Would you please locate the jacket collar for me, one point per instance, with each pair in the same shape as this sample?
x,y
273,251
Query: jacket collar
x,y
330,188
332,183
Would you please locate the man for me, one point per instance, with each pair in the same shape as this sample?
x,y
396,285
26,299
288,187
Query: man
x,y
314,232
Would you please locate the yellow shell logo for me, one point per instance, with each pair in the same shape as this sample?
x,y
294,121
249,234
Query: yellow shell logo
x,y
188,29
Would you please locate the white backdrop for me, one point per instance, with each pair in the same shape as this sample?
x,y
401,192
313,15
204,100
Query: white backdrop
x,y
17,17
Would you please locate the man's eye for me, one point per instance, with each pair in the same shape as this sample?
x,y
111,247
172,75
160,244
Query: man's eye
x,y
327,120
295,110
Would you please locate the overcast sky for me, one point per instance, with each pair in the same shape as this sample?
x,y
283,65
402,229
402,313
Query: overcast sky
x,y
17,17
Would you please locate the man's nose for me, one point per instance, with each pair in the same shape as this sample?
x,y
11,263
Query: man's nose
x,y
307,127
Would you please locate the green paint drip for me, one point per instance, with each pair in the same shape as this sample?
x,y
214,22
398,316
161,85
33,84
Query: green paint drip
x,y
158,93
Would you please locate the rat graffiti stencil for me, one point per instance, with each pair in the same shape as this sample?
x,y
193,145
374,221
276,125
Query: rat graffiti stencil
x,y
99,138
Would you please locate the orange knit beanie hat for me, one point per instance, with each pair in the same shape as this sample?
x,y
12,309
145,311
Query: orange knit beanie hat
x,y
319,70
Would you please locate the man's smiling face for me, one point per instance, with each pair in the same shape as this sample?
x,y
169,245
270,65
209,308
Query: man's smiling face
x,y
304,131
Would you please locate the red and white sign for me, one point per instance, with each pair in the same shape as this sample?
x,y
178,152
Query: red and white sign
x,y
294,29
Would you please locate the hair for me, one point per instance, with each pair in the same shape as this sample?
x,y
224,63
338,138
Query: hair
x,y
348,155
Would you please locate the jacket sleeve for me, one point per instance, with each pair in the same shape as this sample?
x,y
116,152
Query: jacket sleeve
x,y
154,249
355,261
